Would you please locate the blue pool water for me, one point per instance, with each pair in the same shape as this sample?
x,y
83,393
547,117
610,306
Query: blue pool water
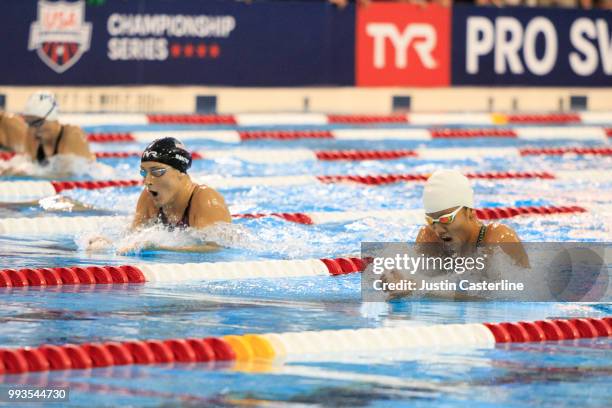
x,y
561,374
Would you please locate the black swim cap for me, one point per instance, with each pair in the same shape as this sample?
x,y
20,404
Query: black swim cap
x,y
170,151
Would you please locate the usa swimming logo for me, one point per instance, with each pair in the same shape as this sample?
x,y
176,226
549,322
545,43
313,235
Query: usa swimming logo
x,y
60,36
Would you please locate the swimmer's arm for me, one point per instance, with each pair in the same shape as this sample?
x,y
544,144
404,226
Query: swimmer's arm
x,y
204,247
145,211
13,133
76,144
426,235
510,243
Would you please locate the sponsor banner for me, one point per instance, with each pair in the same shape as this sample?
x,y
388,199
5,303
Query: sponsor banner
x,y
403,44
524,46
530,272
177,42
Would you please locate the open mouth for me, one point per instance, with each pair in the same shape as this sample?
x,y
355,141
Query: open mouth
x,y
446,239
153,193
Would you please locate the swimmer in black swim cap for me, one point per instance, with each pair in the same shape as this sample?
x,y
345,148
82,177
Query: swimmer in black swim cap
x,y
170,197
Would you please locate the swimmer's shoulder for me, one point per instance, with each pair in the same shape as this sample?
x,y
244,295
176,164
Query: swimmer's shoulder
x,y
74,141
208,206
499,233
427,234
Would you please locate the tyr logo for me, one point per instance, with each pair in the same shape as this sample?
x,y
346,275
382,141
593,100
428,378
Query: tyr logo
x,y
422,37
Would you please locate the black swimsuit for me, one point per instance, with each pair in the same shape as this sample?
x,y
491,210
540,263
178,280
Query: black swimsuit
x,y
183,222
41,157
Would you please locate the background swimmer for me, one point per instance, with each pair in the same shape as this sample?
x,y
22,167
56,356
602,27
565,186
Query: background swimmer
x,y
46,137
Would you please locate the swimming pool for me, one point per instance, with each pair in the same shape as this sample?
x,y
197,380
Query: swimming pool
x,y
556,374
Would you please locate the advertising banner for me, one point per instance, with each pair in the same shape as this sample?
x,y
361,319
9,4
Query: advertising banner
x,y
524,46
403,44
176,42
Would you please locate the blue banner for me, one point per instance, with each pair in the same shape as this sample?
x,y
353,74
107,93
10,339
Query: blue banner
x,y
527,46
177,42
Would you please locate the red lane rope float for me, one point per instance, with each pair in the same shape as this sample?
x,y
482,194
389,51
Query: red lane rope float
x,y
285,134
194,119
93,185
248,346
509,212
110,137
557,151
88,275
7,155
608,132
468,133
299,218
545,118
367,119
364,154
394,178
107,275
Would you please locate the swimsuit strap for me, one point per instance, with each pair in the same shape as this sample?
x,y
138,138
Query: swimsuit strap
x,y
185,219
481,235
41,157
58,140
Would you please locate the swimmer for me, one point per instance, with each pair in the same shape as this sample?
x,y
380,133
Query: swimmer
x,y
46,137
448,200
171,198
13,132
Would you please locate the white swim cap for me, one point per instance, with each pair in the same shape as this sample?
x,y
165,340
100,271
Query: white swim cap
x,y
446,189
43,105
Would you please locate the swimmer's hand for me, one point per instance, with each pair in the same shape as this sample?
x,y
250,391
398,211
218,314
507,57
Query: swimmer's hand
x,y
98,244
135,247
394,276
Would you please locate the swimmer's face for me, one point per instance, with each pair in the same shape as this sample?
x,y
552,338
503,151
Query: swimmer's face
x,y
161,181
39,127
458,231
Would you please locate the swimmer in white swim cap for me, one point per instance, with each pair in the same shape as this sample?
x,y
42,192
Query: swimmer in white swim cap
x,y
46,137
448,200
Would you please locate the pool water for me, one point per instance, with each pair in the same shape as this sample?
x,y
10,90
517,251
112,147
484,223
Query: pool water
x,y
559,374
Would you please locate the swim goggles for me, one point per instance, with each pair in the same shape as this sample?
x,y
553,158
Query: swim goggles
x,y
158,172
443,219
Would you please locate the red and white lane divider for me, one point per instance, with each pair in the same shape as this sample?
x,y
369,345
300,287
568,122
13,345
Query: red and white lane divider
x,y
581,133
19,191
152,272
73,225
267,156
253,119
288,345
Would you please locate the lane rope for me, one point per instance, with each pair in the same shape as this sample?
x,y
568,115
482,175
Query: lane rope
x,y
264,119
581,133
294,155
80,224
141,273
29,190
288,345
